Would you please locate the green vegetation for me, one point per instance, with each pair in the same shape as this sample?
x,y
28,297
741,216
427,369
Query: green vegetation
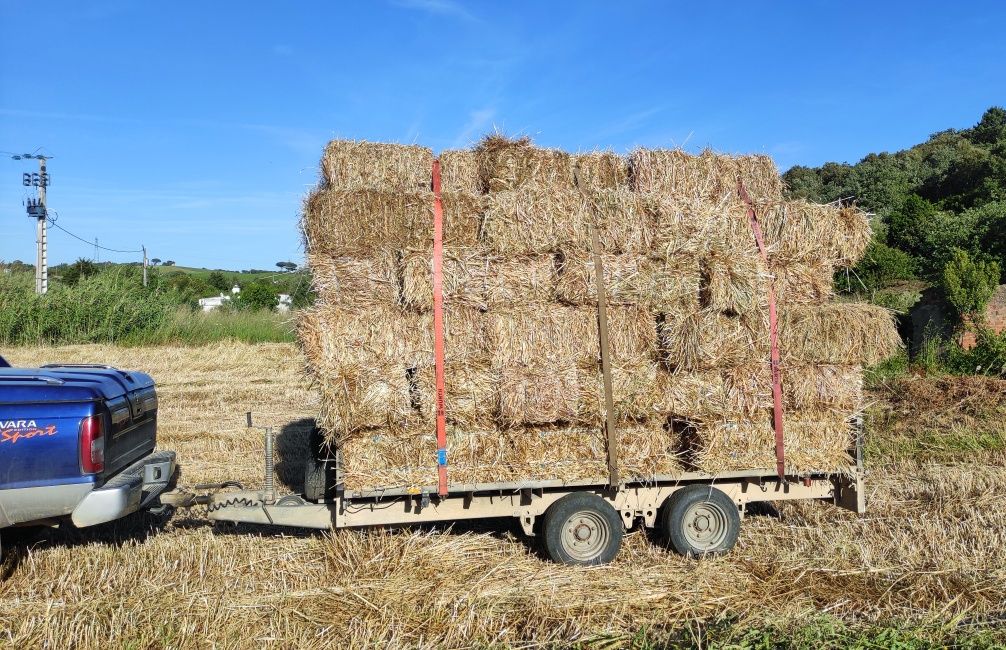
x,y
819,632
945,194
109,304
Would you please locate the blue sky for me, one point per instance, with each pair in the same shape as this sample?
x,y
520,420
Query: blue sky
x,y
196,128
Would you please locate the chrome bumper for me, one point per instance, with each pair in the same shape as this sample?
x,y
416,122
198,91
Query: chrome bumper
x,y
133,488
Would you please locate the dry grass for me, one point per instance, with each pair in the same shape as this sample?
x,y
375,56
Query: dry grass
x,y
351,164
931,548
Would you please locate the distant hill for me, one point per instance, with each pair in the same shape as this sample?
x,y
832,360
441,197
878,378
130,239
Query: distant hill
x,y
946,193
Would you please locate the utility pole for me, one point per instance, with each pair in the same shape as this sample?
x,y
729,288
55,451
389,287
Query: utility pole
x,y
144,265
37,210
97,255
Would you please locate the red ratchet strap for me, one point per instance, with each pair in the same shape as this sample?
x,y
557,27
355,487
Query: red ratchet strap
x,y
773,325
438,328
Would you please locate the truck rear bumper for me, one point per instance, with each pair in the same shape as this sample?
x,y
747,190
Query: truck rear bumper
x,y
134,488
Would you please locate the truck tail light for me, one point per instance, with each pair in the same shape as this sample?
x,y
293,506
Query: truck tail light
x,y
92,445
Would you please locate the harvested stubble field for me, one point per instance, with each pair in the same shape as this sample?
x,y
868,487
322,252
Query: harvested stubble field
x,y
928,561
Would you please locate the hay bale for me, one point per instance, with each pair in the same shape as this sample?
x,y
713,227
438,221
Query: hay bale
x,y
354,223
509,164
521,281
538,393
734,280
352,164
813,441
355,281
470,395
689,226
476,278
837,333
356,364
464,336
703,176
805,387
381,461
804,282
540,219
601,170
676,285
709,339
566,336
799,230
628,279
460,171
464,277
633,390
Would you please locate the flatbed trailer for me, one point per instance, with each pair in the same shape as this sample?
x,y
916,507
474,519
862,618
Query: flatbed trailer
x,y
579,522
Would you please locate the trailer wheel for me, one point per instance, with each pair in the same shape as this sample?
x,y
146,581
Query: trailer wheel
x,y
582,528
700,520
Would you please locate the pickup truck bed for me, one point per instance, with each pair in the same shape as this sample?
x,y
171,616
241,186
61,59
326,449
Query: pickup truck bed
x,y
77,443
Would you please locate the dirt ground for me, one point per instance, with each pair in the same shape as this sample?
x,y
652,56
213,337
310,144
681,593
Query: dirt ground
x,y
929,553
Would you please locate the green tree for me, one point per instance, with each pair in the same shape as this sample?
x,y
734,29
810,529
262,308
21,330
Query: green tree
x,y
257,295
82,268
880,267
218,281
908,226
969,285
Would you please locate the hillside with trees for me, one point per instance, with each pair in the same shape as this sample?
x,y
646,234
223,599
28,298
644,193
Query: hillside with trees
x,y
940,221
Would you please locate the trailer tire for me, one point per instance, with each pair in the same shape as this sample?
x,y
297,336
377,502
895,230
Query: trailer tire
x,y
582,528
700,520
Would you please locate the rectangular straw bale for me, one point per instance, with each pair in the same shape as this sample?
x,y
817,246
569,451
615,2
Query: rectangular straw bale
x,y
469,393
804,386
464,277
843,333
814,441
710,339
801,230
464,336
567,335
734,279
808,281
628,279
704,176
676,284
509,164
539,219
690,226
477,278
459,171
548,453
602,170
633,389
355,281
521,281
352,358
538,393
351,164
354,223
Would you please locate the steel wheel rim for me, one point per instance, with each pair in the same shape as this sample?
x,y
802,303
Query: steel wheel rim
x,y
705,525
585,535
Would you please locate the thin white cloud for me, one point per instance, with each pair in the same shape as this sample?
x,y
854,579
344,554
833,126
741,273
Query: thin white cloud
x,y
478,120
440,7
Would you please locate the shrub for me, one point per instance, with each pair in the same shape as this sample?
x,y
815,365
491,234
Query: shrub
x,y
969,284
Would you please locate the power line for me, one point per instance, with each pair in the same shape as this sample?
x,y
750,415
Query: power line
x,y
89,243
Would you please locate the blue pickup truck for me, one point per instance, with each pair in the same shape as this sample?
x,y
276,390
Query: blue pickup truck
x,y
77,444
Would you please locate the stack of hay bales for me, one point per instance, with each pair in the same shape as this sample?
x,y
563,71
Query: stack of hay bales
x,y
687,294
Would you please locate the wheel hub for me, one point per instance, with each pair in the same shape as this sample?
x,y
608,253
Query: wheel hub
x,y
705,525
585,535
